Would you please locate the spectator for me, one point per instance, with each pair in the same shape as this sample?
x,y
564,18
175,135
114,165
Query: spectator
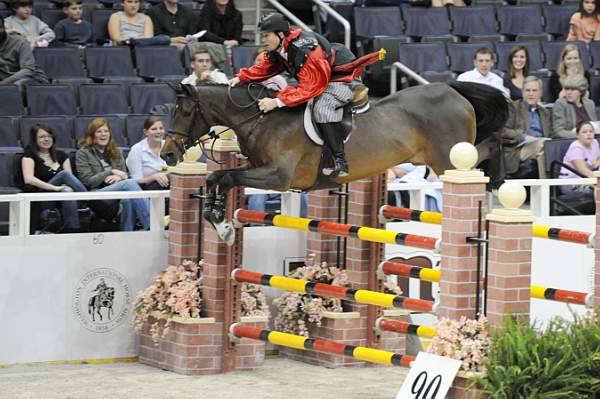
x,y
584,23
518,69
572,109
101,167
174,20
276,82
204,71
222,22
47,169
528,126
569,64
133,27
144,161
583,155
37,33
482,73
17,65
409,173
73,30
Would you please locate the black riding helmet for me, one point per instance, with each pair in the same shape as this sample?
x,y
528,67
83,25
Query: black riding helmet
x,y
274,22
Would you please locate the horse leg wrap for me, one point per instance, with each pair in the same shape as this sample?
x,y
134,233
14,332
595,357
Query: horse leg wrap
x,y
217,214
209,203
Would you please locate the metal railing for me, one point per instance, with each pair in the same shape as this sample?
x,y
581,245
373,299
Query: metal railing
x,y
287,13
335,15
394,75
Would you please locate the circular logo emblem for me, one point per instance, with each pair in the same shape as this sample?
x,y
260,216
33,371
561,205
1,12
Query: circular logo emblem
x,y
101,300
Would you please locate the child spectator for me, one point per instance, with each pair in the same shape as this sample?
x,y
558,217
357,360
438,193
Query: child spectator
x,y
73,30
569,64
37,33
203,70
583,154
222,22
585,22
144,161
518,69
133,27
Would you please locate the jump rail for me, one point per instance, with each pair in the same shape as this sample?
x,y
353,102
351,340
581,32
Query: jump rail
x,y
334,291
243,216
555,294
401,327
388,213
408,271
321,345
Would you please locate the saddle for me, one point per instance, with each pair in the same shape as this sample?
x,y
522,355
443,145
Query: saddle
x,y
357,106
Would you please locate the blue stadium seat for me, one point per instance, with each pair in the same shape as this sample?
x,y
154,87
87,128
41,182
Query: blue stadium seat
x,y
8,163
547,96
100,19
380,71
426,21
424,57
60,125
595,88
51,16
377,21
243,56
8,133
557,18
51,100
60,62
100,99
553,50
117,126
11,101
475,20
516,20
462,54
110,64
533,48
144,96
333,30
595,54
135,126
159,63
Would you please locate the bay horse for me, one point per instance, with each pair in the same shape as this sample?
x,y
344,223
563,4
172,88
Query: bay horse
x,y
103,299
419,125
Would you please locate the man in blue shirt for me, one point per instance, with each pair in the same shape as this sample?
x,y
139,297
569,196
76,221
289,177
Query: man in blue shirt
x,y
528,126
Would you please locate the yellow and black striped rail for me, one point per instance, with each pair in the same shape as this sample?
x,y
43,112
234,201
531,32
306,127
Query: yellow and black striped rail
x,y
388,213
243,216
555,294
408,271
401,327
334,291
321,345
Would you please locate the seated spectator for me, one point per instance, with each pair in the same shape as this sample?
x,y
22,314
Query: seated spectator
x,y
37,33
276,82
73,30
409,173
204,72
174,20
17,65
133,27
585,22
47,169
572,109
583,156
529,124
482,73
144,162
569,64
222,22
101,167
518,69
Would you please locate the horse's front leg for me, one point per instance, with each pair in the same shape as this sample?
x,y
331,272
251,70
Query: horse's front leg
x,y
270,178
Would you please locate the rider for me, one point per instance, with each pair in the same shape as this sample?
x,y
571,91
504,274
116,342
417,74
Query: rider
x,y
101,286
324,73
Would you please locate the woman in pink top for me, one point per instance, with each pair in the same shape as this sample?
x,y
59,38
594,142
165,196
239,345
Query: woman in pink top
x,y
583,155
585,22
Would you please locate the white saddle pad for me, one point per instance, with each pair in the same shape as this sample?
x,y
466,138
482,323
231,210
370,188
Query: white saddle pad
x,y
311,130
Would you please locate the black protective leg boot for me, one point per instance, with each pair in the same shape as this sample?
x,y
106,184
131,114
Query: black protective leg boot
x,y
333,136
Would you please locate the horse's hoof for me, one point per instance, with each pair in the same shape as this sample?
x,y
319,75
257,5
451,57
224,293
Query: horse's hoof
x,y
225,231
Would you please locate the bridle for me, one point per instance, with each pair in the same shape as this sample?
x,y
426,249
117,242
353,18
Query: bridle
x,y
198,111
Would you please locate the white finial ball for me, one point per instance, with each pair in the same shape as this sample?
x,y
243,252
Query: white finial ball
x,y
463,156
192,154
512,195
224,132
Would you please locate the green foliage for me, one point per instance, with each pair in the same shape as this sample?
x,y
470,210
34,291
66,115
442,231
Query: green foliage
x,y
563,361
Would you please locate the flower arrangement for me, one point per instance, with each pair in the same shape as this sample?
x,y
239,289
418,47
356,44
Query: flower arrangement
x,y
466,340
176,292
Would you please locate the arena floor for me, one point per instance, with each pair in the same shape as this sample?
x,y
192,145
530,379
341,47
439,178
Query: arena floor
x,y
279,378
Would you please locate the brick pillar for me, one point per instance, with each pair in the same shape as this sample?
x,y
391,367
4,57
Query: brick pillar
x,y
462,191
186,179
322,206
597,244
509,264
220,297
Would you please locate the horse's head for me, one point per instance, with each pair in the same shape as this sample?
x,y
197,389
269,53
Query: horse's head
x,y
188,125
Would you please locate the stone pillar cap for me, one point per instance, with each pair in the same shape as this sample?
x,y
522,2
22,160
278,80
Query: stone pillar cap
x,y
189,166
463,157
227,140
511,195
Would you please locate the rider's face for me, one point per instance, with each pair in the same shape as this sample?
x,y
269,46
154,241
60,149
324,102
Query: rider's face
x,y
271,40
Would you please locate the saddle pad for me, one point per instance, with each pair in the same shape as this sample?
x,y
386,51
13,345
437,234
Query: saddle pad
x,y
310,128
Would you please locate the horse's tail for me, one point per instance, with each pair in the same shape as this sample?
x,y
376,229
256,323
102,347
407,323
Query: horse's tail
x,y
491,107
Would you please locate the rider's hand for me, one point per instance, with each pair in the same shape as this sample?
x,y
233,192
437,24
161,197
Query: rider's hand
x,y
234,82
267,104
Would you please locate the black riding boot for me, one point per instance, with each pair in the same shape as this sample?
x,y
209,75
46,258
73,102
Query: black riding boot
x,y
333,136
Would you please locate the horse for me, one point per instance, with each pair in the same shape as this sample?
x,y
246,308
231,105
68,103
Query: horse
x,y
103,299
419,125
